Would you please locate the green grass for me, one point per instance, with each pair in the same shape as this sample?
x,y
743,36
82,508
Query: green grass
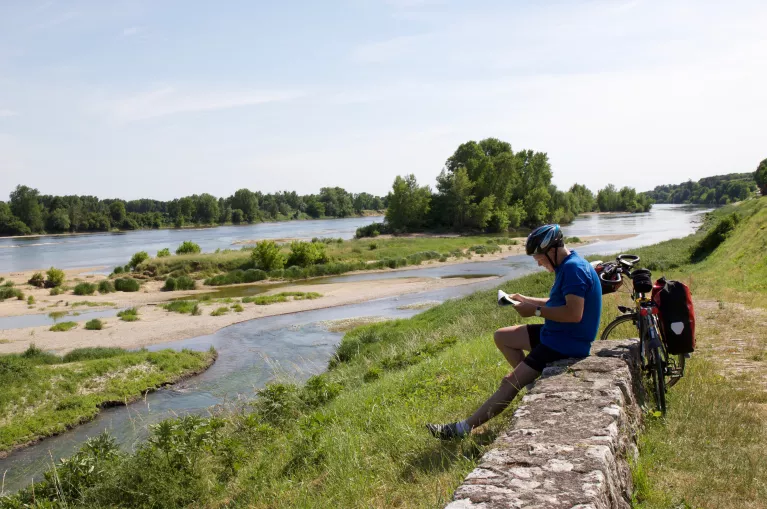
x,y
265,300
94,324
128,315
91,304
44,394
63,326
220,311
180,306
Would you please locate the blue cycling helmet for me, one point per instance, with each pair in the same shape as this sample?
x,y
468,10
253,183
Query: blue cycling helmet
x,y
544,238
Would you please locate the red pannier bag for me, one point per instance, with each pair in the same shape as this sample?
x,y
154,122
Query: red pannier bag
x,y
676,315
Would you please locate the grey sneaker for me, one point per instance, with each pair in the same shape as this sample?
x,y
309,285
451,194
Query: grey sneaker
x,y
444,431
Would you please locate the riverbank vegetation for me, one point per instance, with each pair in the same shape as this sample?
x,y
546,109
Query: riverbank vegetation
x,y
716,190
354,436
29,212
44,394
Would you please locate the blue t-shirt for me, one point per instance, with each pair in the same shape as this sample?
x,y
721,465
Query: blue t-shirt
x,y
574,276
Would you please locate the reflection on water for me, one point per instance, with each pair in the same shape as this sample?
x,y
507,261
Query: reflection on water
x,y
296,346
22,321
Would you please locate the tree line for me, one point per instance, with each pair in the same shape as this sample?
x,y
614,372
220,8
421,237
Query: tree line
x,y
29,212
486,186
716,190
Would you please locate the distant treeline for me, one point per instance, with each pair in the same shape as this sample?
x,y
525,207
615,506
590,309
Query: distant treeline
x,y
28,212
486,186
716,190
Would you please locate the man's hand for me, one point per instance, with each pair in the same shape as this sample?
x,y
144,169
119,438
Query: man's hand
x,y
525,309
519,297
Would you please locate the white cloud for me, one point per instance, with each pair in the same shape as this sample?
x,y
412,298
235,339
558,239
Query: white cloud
x,y
169,101
130,31
7,113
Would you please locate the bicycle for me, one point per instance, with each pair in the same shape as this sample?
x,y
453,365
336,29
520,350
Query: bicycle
x,y
663,370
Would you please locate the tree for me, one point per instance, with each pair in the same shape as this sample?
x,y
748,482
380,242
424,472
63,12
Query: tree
x,y
247,202
206,209
237,216
408,204
117,212
584,198
25,206
457,190
58,221
266,256
761,177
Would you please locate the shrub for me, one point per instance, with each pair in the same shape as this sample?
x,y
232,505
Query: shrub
x,y
63,326
118,270
85,289
94,324
170,285
188,247
126,284
304,254
238,308
162,253
294,272
253,275
30,300
55,278
8,292
220,311
373,246
196,310
266,256
56,291
128,315
106,286
372,230
91,353
137,259
715,236
37,280
180,306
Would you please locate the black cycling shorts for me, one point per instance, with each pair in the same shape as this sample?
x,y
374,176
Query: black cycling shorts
x,y
540,355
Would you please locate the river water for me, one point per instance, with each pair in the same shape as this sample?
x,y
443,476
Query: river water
x,y
112,249
296,346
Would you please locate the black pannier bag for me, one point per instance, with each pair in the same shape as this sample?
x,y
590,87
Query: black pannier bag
x,y
609,271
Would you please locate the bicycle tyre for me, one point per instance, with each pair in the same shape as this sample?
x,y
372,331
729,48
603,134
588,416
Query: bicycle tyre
x,y
615,323
658,381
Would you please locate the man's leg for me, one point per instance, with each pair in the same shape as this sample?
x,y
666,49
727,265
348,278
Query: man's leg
x,y
511,341
510,387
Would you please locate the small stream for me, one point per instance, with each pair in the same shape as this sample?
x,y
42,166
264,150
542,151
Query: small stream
x,y
296,346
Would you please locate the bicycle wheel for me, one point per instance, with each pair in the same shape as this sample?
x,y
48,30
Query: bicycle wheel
x,y
622,327
658,370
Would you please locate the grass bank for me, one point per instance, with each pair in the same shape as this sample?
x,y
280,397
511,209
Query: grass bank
x,y
343,256
44,394
354,436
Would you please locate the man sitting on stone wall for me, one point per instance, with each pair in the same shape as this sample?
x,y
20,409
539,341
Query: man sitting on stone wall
x,y
571,313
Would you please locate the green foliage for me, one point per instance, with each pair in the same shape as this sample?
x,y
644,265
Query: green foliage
x,y
137,259
303,254
267,256
409,204
128,315
37,280
56,291
106,286
55,278
94,324
63,326
126,284
626,200
85,289
760,177
715,237
179,283
91,304
265,300
220,311
31,300
181,306
92,353
164,252
237,308
236,277
373,230
118,270
188,247
716,190
8,292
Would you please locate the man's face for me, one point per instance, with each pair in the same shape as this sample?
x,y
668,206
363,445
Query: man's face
x,y
543,262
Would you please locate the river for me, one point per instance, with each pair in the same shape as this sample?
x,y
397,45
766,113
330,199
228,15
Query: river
x,y
297,346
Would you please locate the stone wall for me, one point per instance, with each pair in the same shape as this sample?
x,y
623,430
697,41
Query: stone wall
x,y
569,440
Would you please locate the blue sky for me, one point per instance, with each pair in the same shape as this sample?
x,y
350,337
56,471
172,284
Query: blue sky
x,y
167,98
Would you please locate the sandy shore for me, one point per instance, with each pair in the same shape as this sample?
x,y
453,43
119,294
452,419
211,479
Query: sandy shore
x,y
158,326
